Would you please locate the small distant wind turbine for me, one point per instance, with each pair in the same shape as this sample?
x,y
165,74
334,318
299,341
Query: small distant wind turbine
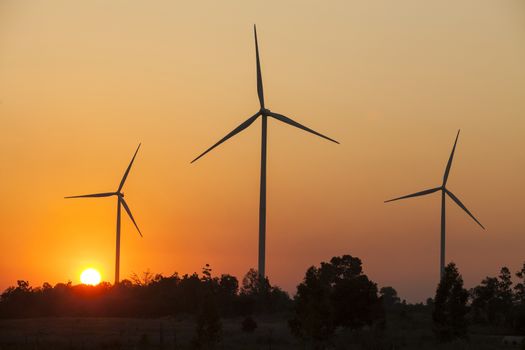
x,y
120,202
444,192
264,114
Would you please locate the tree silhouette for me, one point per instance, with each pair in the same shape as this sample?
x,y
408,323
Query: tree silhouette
x,y
337,294
389,296
493,299
314,318
146,278
258,295
518,313
484,300
254,285
149,296
519,289
450,306
208,330
505,287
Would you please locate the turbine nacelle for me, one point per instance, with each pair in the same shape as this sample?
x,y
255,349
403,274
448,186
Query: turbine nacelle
x,y
265,111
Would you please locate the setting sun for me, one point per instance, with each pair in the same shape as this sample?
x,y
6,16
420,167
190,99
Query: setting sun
x,y
90,276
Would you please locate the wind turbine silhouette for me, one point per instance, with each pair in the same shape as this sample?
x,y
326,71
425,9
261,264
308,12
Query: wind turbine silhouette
x,y
120,202
264,114
444,192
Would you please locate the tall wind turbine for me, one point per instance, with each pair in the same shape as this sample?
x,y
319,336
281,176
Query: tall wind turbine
x,y
120,202
264,114
444,193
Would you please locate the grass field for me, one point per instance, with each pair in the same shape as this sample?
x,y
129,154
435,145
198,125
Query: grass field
x,y
407,332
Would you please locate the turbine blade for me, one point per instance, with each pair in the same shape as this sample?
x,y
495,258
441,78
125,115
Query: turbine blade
x,y
458,202
105,194
260,92
297,125
449,164
125,205
127,170
417,194
235,131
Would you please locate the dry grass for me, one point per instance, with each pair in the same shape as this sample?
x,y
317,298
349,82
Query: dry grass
x,y
122,333
272,333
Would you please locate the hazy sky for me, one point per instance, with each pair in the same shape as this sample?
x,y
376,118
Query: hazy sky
x,y
83,82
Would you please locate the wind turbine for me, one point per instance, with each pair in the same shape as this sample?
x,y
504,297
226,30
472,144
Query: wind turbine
x,y
264,113
444,193
120,202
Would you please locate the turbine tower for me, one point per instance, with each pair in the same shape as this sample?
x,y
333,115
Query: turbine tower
x,y
120,202
264,113
444,193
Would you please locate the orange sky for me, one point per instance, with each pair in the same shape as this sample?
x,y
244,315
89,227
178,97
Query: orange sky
x,y
83,82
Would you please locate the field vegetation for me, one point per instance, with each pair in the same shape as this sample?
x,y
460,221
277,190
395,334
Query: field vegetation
x,y
336,306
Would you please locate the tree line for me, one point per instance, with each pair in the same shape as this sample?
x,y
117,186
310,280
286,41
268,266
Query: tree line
x,y
334,295
147,295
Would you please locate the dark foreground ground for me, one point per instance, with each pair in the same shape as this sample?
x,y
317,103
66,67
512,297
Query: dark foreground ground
x,y
403,332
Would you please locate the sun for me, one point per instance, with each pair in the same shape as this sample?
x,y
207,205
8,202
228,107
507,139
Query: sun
x,y
90,276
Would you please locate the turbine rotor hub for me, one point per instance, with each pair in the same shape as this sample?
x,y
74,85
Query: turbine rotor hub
x,y
265,111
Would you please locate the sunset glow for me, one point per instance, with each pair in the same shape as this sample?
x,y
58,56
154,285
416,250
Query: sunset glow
x,y
90,276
